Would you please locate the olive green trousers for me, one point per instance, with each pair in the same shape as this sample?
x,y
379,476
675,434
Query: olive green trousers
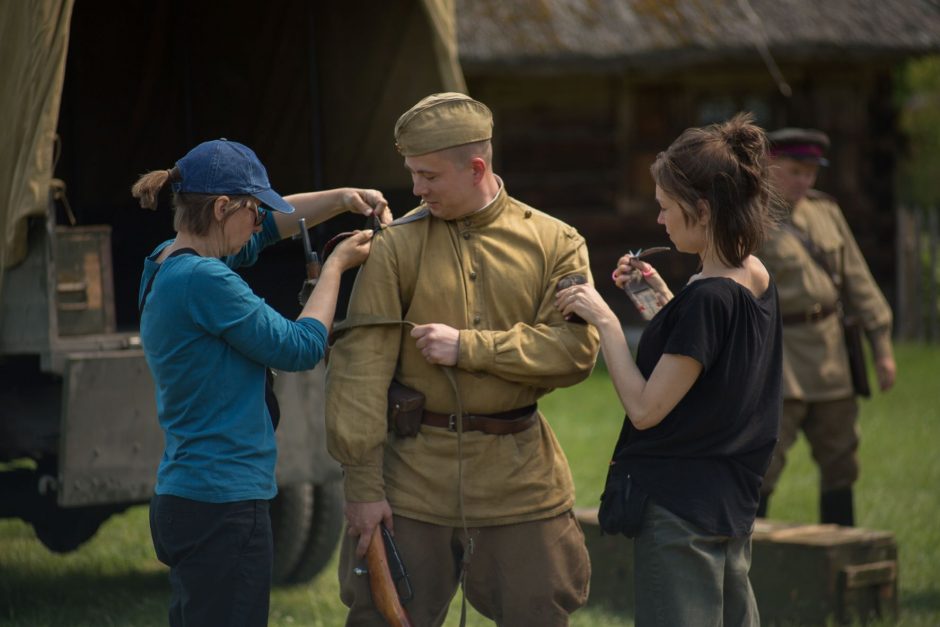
x,y
527,574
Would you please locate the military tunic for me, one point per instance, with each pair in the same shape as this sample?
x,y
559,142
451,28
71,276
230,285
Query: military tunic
x,y
815,365
492,276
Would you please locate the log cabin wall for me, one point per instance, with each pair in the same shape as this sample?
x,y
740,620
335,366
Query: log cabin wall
x,y
578,145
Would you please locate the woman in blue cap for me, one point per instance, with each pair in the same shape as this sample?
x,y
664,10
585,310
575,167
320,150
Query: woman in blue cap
x,y
208,340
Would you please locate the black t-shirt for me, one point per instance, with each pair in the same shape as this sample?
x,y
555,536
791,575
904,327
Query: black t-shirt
x,y
707,458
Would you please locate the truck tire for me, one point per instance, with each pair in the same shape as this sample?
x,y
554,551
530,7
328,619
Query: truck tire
x,y
325,529
64,530
291,515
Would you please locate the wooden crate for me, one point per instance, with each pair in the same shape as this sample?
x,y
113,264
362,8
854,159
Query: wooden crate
x,y
802,574
84,286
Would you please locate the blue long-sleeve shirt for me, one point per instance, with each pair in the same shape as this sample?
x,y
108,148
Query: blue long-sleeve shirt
x,y
207,339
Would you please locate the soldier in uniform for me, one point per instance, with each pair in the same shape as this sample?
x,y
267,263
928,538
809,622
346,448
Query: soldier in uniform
x,y
819,397
457,302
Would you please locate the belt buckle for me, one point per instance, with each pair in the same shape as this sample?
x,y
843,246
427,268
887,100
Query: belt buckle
x,y
815,313
452,422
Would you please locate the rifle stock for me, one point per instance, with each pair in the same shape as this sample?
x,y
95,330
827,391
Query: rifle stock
x,y
384,590
311,261
310,256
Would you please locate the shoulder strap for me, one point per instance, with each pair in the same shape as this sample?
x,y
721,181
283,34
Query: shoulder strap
x,y
373,223
175,253
412,217
817,253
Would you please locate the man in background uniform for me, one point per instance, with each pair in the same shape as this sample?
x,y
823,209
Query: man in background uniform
x,y
474,274
819,398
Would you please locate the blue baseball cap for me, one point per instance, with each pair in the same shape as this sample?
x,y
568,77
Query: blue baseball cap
x,y
225,167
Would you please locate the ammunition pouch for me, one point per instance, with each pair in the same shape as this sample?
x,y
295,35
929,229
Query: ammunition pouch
x,y
405,409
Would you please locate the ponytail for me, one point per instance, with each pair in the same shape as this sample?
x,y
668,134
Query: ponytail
x,y
192,211
148,186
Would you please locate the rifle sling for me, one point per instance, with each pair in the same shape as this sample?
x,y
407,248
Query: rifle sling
x,y
815,252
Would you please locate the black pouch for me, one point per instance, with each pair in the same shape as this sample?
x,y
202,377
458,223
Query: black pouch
x,y
405,409
274,408
622,503
853,346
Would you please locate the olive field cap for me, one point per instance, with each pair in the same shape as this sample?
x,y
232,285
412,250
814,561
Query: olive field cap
x,y
442,121
227,168
802,144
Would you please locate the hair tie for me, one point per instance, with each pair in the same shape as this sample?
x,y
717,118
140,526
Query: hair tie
x,y
174,177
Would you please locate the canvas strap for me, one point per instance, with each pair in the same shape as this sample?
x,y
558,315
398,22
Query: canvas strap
x,y
175,253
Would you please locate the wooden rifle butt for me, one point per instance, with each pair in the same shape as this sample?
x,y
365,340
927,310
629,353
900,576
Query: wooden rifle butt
x,y
384,591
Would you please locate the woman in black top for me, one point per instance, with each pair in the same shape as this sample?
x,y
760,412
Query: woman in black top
x,y
703,398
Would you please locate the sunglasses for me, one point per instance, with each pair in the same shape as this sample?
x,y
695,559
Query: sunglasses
x,y
260,212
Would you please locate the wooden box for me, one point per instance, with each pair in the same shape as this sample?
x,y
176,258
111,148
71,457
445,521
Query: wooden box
x,y
801,574
83,281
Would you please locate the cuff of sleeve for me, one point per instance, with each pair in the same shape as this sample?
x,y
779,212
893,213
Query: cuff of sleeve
x,y
880,340
364,484
318,326
475,350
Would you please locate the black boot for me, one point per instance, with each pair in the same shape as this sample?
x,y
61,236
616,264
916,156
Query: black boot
x,y
762,505
836,507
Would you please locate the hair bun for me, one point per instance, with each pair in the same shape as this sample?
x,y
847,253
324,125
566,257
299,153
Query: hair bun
x,y
745,138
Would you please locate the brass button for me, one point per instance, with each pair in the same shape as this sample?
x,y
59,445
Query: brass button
x,y
473,275
476,319
466,222
466,234
528,213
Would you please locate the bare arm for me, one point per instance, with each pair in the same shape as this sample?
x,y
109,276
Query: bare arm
x,y
883,351
317,207
646,401
348,254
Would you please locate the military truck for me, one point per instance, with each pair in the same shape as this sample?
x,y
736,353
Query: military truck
x,y
97,93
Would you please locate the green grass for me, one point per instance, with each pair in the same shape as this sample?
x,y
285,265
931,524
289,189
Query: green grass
x,y
116,580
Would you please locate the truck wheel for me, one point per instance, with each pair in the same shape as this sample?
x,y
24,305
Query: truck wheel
x,y
291,513
325,530
64,530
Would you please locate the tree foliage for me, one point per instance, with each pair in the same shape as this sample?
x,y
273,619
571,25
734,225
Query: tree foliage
x,y
919,96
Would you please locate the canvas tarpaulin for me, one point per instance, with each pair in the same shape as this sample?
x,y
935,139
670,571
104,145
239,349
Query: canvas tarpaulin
x,y
33,42
443,17
410,56
314,87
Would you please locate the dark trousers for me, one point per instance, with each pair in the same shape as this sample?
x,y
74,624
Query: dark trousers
x,y
220,557
831,427
685,576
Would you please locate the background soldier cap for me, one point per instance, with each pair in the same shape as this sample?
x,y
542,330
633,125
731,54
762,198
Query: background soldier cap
x,y
442,121
802,144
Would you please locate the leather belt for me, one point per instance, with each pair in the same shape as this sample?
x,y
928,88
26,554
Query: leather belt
x,y
815,314
503,423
